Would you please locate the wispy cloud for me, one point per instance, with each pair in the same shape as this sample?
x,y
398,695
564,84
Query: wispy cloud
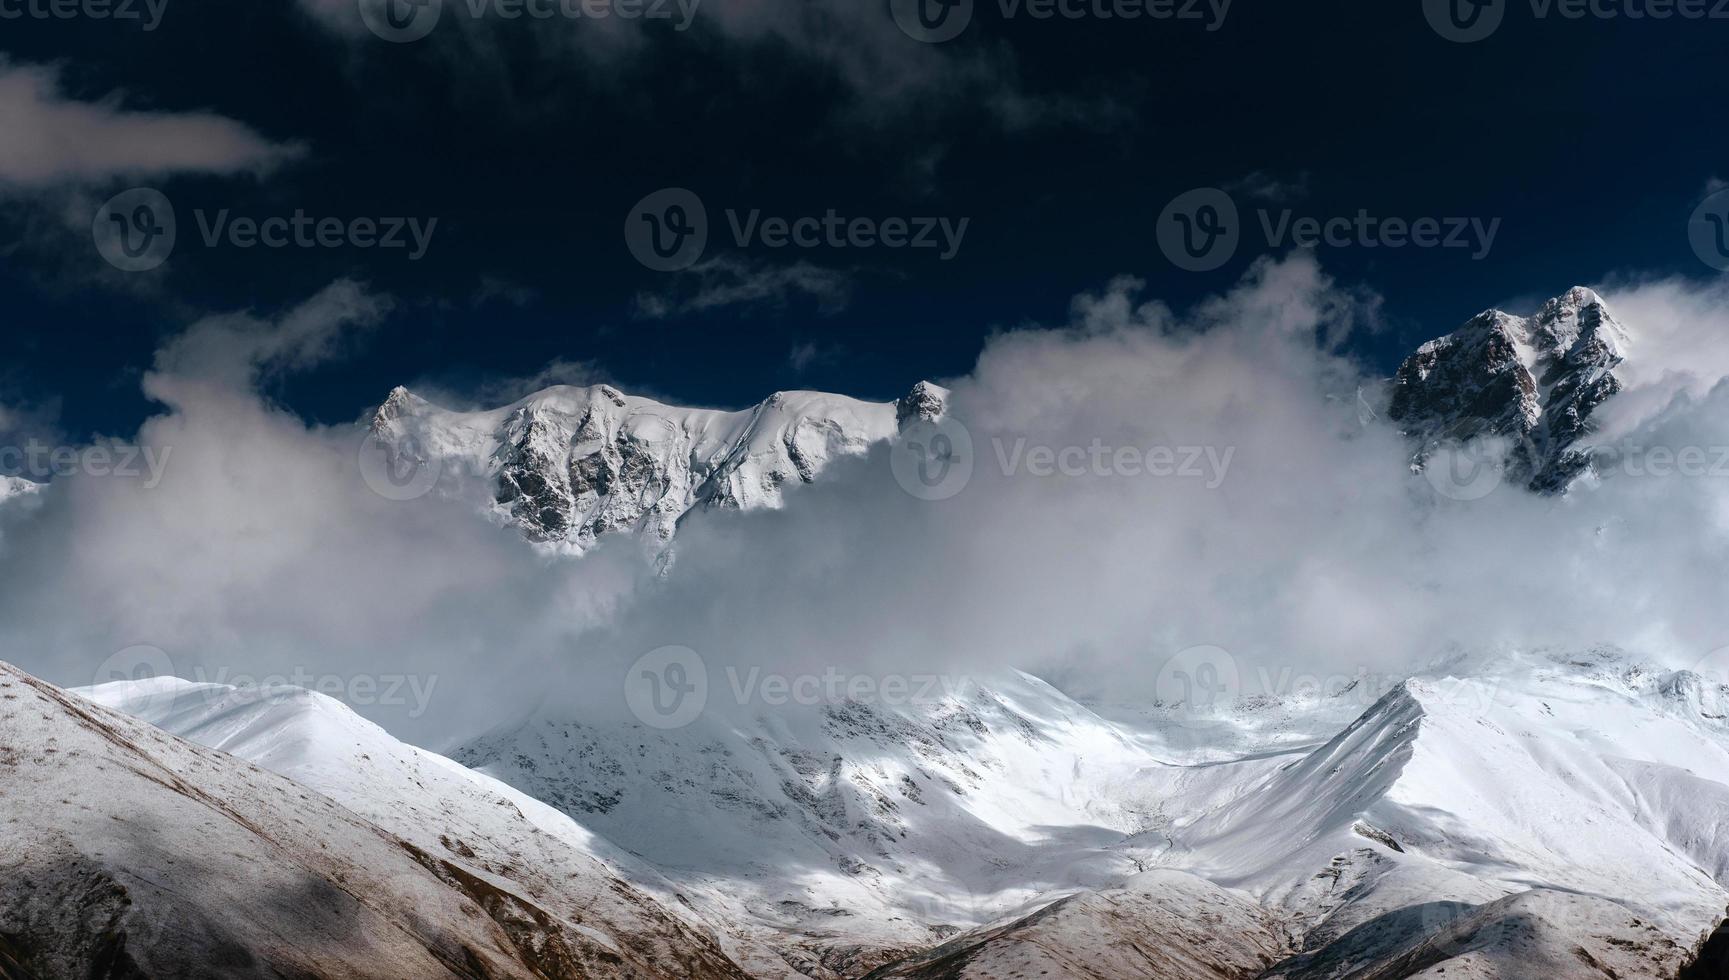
x,y
50,140
809,354
1262,186
731,281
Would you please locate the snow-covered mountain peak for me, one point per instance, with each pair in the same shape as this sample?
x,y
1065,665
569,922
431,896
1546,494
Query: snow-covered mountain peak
x,y
925,403
571,464
12,486
1532,382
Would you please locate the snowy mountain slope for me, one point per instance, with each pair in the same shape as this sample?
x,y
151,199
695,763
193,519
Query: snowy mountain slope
x,y
474,823
861,831
1156,924
128,852
568,465
1531,801
1533,382
1560,816
1583,795
1537,814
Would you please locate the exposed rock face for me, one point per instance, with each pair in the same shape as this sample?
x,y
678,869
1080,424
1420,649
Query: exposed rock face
x,y
1534,382
568,465
925,403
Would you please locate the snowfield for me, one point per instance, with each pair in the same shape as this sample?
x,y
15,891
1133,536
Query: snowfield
x,y
1556,814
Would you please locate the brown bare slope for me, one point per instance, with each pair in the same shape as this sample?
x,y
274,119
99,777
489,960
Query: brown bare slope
x,y
128,853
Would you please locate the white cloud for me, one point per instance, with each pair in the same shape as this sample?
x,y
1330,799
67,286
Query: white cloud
x,y
262,550
49,140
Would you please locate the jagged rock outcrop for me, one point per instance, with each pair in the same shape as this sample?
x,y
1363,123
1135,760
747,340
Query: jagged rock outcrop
x,y
1532,381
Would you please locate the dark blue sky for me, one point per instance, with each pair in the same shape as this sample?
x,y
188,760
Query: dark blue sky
x,y
1584,137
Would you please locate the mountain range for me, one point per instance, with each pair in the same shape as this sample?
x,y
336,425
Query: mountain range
x,y
1507,813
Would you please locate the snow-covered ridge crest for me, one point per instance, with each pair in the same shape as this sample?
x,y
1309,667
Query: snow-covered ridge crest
x,y
11,486
569,465
131,852
1533,381
476,825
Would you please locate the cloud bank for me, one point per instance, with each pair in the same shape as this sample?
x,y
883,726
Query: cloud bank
x,y
1314,549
